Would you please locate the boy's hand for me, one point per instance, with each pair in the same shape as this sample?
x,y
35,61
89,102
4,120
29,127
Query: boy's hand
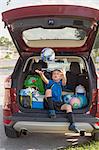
x,y
39,72
62,72
63,77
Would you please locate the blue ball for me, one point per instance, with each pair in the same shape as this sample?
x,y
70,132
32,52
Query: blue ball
x,y
67,98
83,100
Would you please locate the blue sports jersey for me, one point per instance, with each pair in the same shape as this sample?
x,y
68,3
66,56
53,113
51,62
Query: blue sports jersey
x,y
56,90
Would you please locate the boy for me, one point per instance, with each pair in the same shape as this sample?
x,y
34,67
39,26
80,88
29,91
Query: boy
x,y
53,96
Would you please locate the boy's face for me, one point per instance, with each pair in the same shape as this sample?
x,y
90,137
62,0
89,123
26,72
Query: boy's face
x,y
56,75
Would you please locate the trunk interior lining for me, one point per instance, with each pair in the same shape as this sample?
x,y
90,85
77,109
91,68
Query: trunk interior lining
x,y
23,74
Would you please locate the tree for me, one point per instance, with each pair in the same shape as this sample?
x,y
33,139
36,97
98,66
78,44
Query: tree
x,y
8,1
80,34
95,52
5,42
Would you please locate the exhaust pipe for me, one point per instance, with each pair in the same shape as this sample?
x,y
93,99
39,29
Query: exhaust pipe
x,y
24,131
82,132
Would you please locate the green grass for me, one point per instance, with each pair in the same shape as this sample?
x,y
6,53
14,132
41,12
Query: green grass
x,y
89,146
8,56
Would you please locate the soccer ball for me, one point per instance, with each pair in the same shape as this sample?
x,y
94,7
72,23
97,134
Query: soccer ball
x,y
47,54
75,102
83,100
67,98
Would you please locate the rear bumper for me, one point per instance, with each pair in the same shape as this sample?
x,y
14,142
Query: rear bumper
x,y
39,122
50,127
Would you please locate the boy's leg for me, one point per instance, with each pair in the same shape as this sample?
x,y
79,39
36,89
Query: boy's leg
x,y
49,102
70,117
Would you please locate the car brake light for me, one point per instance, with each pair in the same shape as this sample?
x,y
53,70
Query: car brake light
x,y
10,96
15,107
7,121
6,113
94,102
7,100
97,109
10,105
98,82
97,114
96,125
94,95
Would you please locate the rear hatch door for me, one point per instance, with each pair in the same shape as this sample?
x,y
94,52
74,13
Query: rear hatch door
x,y
65,28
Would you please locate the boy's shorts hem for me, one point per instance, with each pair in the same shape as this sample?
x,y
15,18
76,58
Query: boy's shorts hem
x,y
57,105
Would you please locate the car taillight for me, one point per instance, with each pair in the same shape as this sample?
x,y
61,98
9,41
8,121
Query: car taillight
x,y
7,122
97,113
94,96
7,97
96,125
14,105
6,114
98,82
7,101
93,107
10,104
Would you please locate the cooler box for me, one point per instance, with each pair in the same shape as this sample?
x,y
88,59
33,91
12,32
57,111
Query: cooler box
x,y
37,102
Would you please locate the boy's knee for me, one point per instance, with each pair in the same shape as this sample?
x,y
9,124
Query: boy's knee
x,y
48,93
67,107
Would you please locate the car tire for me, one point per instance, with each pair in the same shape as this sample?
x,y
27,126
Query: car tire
x,y
11,133
95,136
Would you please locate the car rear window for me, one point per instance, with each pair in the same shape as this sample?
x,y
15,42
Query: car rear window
x,y
64,37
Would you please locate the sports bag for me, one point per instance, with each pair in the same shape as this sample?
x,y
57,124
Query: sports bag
x,y
36,82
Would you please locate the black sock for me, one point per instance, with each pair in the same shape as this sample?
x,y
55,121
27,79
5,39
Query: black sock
x,y
50,103
70,117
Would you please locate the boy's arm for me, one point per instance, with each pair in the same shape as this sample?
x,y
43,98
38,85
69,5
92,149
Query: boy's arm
x,y
64,79
42,76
